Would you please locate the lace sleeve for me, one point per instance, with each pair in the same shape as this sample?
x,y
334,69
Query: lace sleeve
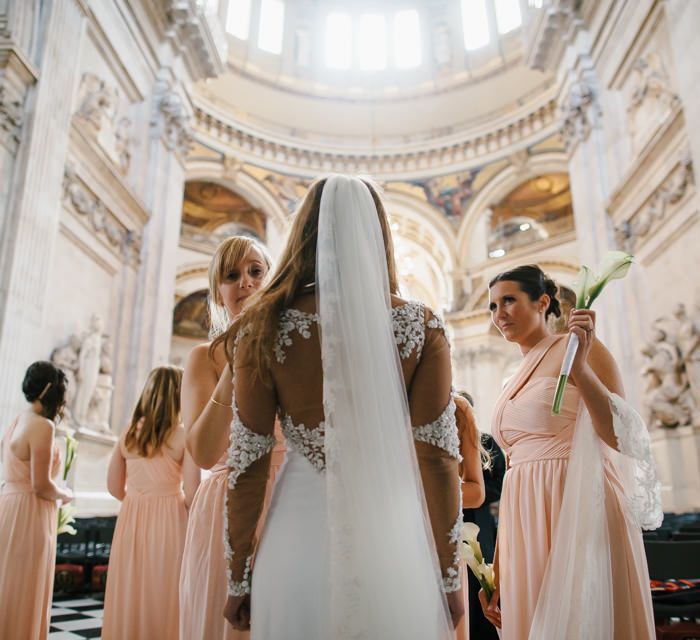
x,y
249,454
642,487
437,449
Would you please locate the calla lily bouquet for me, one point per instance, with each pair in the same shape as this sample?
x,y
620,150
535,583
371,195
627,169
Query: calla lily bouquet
x,y
588,287
470,550
65,513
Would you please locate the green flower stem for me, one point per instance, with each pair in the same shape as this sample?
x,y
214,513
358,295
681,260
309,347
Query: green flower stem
x,y
559,395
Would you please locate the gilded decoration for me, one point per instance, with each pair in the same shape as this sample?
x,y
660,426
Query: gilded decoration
x,y
191,316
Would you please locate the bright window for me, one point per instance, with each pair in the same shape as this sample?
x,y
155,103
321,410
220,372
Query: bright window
x,y
475,24
507,15
372,42
238,18
339,41
271,26
407,41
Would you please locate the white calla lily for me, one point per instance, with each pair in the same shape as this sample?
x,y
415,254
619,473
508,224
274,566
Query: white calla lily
x,y
470,531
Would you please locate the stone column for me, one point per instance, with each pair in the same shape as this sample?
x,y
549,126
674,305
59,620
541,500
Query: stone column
x,y
683,20
595,140
155,295
31,174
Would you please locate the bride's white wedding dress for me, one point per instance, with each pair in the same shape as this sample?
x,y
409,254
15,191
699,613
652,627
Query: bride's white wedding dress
x,y
347,550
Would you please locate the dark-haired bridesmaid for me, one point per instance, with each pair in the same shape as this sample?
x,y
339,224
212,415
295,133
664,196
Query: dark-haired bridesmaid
x,y
29,498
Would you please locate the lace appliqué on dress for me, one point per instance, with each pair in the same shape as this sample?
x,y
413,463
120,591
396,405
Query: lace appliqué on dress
x,y
452,581
308,442
442,432
633,441
409,328
292,320
436,322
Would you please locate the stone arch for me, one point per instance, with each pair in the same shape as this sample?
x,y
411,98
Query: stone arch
x,y
469,251
251,189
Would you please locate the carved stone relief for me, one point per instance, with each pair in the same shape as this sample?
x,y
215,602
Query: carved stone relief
x,y
631,232
127,242
170,118
580,113
101,113
651,99
11,115
672,369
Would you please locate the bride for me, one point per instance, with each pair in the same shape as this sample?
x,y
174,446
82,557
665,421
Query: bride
x,y
361,536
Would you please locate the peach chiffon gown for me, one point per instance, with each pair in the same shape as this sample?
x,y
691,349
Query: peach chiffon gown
x,y
28,541
203,584
141,598
537,445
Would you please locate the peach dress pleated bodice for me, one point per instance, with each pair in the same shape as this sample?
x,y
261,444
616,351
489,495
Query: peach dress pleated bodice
x,y
537,445
28,543
141,598
203,582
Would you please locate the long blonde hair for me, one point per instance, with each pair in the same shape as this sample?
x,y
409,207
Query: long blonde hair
x,y
156,413
227,255
296,267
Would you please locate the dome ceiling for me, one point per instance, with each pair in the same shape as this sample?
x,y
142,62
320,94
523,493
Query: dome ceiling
x,y
331,70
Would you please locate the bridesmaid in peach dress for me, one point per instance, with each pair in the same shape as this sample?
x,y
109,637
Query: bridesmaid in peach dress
x,y
473,491
28,507
538,447
146,474
237,270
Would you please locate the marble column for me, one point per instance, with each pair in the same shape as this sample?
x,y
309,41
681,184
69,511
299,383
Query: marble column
x,y
683,20
153,312
32,181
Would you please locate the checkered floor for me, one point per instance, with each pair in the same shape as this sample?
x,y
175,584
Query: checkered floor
x,y
76,618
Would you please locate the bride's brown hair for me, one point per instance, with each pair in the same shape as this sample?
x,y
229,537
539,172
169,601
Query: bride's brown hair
x,y
296,268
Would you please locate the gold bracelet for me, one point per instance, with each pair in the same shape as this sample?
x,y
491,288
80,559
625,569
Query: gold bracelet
x,y
221,404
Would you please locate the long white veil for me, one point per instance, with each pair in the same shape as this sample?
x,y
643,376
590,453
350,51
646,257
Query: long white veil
x,y
576,598
385,579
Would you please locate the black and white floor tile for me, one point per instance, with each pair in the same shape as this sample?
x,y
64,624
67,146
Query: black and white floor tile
x,y
76,618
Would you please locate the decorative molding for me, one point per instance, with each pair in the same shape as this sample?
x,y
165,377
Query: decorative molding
x,y
547,32
76,194
11,118
432,157
631,232
580,113
170,118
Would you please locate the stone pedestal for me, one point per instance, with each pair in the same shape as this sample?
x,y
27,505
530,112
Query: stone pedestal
x,y
89,475
677,455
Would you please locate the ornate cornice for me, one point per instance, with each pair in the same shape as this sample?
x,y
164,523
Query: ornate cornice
x,y
431,157
78,197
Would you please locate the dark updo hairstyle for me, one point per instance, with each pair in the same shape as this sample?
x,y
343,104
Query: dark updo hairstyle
x,y
46,383
535,283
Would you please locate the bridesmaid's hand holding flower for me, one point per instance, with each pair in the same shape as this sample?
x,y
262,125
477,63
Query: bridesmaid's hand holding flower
x,y
582,324
492,612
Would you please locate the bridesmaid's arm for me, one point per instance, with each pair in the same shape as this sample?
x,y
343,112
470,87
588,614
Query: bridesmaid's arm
x,y
473,491
116,473
192,476
41,439
595,374
206,407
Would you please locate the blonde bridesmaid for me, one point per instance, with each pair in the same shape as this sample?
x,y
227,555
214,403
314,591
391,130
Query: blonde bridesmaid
x,y
236,272
29,499
146,474
538,446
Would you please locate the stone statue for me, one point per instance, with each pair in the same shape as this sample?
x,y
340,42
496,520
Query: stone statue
x,y
88,370
689,348
66,358
667,399
100,404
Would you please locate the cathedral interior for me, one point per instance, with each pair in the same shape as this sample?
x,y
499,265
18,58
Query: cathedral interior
x,y
137,134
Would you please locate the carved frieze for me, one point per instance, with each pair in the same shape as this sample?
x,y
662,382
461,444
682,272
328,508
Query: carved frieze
x,y
127,242
633,230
